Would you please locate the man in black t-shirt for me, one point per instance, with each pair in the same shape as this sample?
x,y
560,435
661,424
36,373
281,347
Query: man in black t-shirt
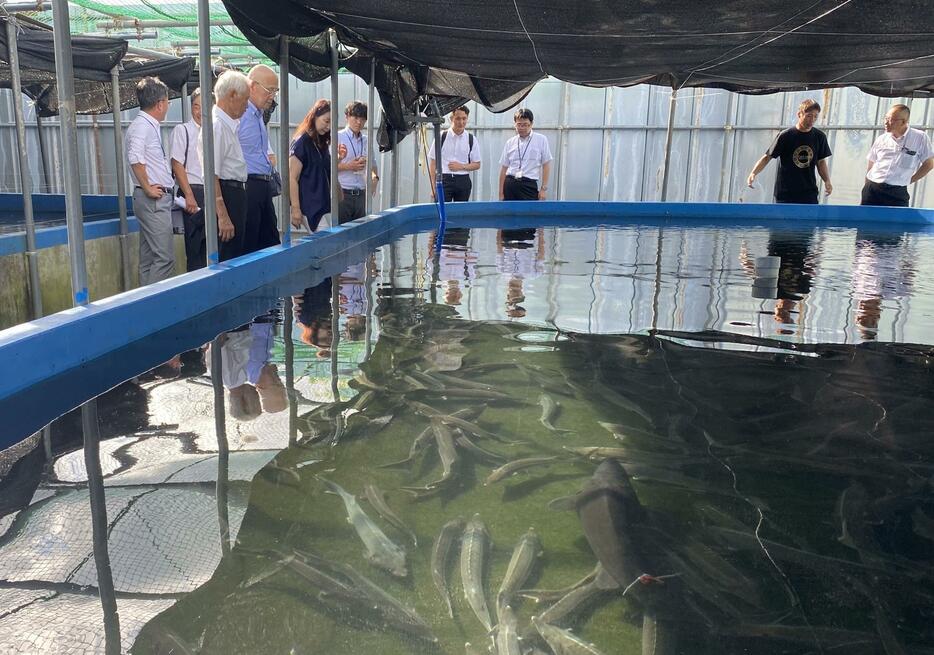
x,y
801,150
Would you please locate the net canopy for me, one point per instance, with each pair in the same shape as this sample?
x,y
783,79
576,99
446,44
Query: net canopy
x,y
494,51
93,58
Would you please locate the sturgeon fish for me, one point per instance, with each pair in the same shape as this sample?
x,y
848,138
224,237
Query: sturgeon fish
x,y
523,559
380,549
440,553
473,555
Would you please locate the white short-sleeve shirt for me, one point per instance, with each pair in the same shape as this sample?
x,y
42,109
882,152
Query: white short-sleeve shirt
x,y
356,147
896,160
457,148
524,158
144,146
229,163
184,150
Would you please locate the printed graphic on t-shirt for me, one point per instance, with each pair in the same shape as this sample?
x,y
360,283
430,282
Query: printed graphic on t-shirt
x,y
803,156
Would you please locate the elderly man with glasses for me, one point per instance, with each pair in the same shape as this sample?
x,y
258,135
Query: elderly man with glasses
x,y
262,228
902,155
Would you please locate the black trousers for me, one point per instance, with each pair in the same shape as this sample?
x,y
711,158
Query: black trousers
x,y
235,200
262,227
804,199
457,188
884,195
353,206
520,188
195,243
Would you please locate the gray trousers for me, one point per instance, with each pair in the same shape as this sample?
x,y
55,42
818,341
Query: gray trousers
x,y
156,242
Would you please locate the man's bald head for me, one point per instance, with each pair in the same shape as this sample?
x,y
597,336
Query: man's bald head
x,y
264,86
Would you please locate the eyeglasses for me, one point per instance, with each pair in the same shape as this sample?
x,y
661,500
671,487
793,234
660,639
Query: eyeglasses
x,y
272,92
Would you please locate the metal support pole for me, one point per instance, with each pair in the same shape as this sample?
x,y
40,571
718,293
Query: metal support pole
x,y
205,71
285,224
394,162
186,107
65,78
335,187
335,335
121,178
558,181
288,317
668,139
223,449
32,255
99,525
42,154
370,100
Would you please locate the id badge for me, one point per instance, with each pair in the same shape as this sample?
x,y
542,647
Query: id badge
x,y
519,175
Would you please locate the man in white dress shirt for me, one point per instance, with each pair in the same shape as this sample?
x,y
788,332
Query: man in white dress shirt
x,y
231,94
460,155
526,162
352,168
899,157
186,167
152,182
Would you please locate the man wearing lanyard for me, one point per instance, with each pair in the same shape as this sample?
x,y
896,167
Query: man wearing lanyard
x,y
152,180
460,154
187,170
526,159
899,157
351,170
262,229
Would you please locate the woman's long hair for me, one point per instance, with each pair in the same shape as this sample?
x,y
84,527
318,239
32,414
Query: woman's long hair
x,y
307,126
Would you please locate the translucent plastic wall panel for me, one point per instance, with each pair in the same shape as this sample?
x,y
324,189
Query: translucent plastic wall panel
x,y
486,180
756,111
9,179
710,106
848,165
545,103
749,146
627,106
684,107
707,166
654,165
582,168
625,164
851,107
586,107
555,144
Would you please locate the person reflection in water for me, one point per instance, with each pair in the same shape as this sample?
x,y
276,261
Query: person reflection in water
x,y
883,269
457,264
312,310
252,381
520,256
794,275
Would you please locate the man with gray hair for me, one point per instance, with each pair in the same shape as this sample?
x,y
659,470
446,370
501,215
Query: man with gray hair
x,y
262,229
231,93
152,182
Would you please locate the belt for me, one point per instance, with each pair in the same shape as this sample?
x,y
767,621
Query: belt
x,y
886,185
453,176
521,179
164,189
257,176
353,192
234,183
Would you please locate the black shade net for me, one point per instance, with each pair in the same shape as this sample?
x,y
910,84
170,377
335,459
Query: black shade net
x,y
93,58
494,51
